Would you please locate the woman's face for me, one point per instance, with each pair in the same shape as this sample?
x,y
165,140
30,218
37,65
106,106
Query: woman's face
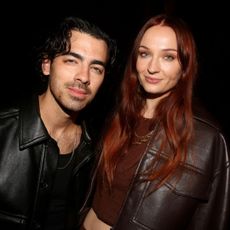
x,y
157,63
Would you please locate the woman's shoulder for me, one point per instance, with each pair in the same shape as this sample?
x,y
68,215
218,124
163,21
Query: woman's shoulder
x,y
207,133
205,120
207,129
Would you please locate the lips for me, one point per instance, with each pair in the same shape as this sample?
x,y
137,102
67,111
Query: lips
x,y
76,92
152,80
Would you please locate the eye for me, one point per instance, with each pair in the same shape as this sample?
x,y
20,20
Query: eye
x,y
169,57
142,54
71,61
98,70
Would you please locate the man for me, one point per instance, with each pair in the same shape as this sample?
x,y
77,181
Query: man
x,y
46,153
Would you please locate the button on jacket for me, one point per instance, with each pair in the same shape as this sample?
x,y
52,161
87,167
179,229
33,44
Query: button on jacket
x,y
27,169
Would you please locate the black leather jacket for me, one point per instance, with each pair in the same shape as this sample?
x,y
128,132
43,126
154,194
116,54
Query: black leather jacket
x,y
198,200
27,169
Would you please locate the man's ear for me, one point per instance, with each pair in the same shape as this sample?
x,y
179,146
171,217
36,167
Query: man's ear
x,y
46,66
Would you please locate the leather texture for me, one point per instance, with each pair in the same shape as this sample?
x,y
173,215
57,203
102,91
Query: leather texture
x,y
28,161
198,198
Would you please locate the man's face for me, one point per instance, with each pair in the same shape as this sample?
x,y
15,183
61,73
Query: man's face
x,y
75,78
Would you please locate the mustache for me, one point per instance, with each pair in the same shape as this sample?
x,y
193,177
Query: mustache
x,y
79,85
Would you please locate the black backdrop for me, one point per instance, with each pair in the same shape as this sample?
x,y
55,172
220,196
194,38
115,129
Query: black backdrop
x,y
24,25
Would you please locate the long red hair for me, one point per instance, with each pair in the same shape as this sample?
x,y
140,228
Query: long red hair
x,y
173,114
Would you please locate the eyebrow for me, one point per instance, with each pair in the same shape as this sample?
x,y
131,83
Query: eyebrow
x,y
78,56
167,49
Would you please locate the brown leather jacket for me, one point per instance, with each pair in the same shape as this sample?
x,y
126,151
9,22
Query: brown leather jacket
x,y
199,200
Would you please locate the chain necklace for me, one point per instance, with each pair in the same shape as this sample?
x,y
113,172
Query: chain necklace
x,y
75,144
142,138
68,162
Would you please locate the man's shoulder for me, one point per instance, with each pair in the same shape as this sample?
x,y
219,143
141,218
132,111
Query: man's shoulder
x,y
9,111
13,109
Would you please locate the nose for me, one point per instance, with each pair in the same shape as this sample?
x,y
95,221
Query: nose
x,y
82,74
153,66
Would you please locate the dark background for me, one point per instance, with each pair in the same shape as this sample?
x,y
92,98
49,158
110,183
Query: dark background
x,y
24,25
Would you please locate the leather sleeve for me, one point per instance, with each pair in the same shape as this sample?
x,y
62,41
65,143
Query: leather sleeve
x,y
215,214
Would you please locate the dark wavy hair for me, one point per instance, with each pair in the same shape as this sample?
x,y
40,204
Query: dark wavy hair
x,y
58,40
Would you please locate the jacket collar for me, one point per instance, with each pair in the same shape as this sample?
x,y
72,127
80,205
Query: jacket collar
x,y
31,127
85,132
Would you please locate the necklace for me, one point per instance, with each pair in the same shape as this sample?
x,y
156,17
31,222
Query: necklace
x,y
68,162
76,141
142,138
67,142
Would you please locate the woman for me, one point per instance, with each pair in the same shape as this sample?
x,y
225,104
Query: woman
x,y
163,166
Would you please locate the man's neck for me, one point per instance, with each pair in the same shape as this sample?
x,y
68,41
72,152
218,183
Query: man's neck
x,y
61,126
